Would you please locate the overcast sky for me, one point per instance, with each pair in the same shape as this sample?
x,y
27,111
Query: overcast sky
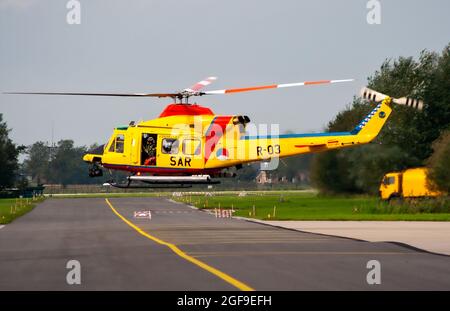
x,y
167,45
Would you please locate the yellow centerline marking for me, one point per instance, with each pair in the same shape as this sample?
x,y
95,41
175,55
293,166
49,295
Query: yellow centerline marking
x,y
227,278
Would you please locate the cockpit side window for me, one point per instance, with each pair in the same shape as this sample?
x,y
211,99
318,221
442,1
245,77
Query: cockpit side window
x,y
120,139
118,144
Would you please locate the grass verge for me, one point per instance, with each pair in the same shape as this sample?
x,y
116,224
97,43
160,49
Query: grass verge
x,y
11,209
310,206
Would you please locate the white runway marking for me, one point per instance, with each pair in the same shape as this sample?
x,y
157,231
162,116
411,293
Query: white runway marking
x,y
172,212
1,226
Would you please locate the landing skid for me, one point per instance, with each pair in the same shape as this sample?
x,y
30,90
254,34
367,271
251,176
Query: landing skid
x,y
129,186
164,182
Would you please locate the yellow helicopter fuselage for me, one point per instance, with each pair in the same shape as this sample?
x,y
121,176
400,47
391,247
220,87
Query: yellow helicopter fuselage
x,y
190,140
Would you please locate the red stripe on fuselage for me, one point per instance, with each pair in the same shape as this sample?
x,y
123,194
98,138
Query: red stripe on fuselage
x,y
214,133
310,146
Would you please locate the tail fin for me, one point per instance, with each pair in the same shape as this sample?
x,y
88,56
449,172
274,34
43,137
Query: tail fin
x,y
372,124
368,118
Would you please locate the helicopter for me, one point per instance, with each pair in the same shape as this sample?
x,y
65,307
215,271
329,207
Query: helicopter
x,y
188,144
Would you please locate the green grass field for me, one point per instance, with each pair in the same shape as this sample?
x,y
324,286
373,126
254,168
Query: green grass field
x,y
10,209
310,206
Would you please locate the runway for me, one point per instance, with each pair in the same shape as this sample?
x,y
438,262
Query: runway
x,y
181,248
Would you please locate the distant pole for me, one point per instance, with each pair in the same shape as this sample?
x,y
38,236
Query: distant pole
x,y
274,211
254,210
52,146
53,132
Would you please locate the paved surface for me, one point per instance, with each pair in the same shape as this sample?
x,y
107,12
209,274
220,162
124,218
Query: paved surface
x,y
35,248
432,236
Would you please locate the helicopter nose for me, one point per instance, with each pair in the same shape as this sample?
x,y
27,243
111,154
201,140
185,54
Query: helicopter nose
x,y
88,157
94,155
92,158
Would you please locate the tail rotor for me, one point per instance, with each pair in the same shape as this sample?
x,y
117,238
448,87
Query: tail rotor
x,y
375,96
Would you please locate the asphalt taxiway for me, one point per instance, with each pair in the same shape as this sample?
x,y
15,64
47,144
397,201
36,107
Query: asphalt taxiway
x,y
181,248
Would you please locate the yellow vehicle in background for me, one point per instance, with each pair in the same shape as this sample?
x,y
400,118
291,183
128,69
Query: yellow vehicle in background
x,y
411,183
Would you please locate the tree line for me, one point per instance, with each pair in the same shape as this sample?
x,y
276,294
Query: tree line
x,y
44,163
9,154
58,164
411,138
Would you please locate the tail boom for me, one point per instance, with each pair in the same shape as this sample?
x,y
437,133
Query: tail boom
x,y
265,147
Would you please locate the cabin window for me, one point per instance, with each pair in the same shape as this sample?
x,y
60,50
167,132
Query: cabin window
x,y
148,152
191,147
118,144
170,146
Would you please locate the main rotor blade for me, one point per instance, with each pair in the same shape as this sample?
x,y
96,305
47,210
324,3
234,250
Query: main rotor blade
x,y
173,95
200,85
272,86
193,91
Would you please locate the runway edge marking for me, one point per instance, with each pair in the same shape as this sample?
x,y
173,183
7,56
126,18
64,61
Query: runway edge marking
x,y
227,278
